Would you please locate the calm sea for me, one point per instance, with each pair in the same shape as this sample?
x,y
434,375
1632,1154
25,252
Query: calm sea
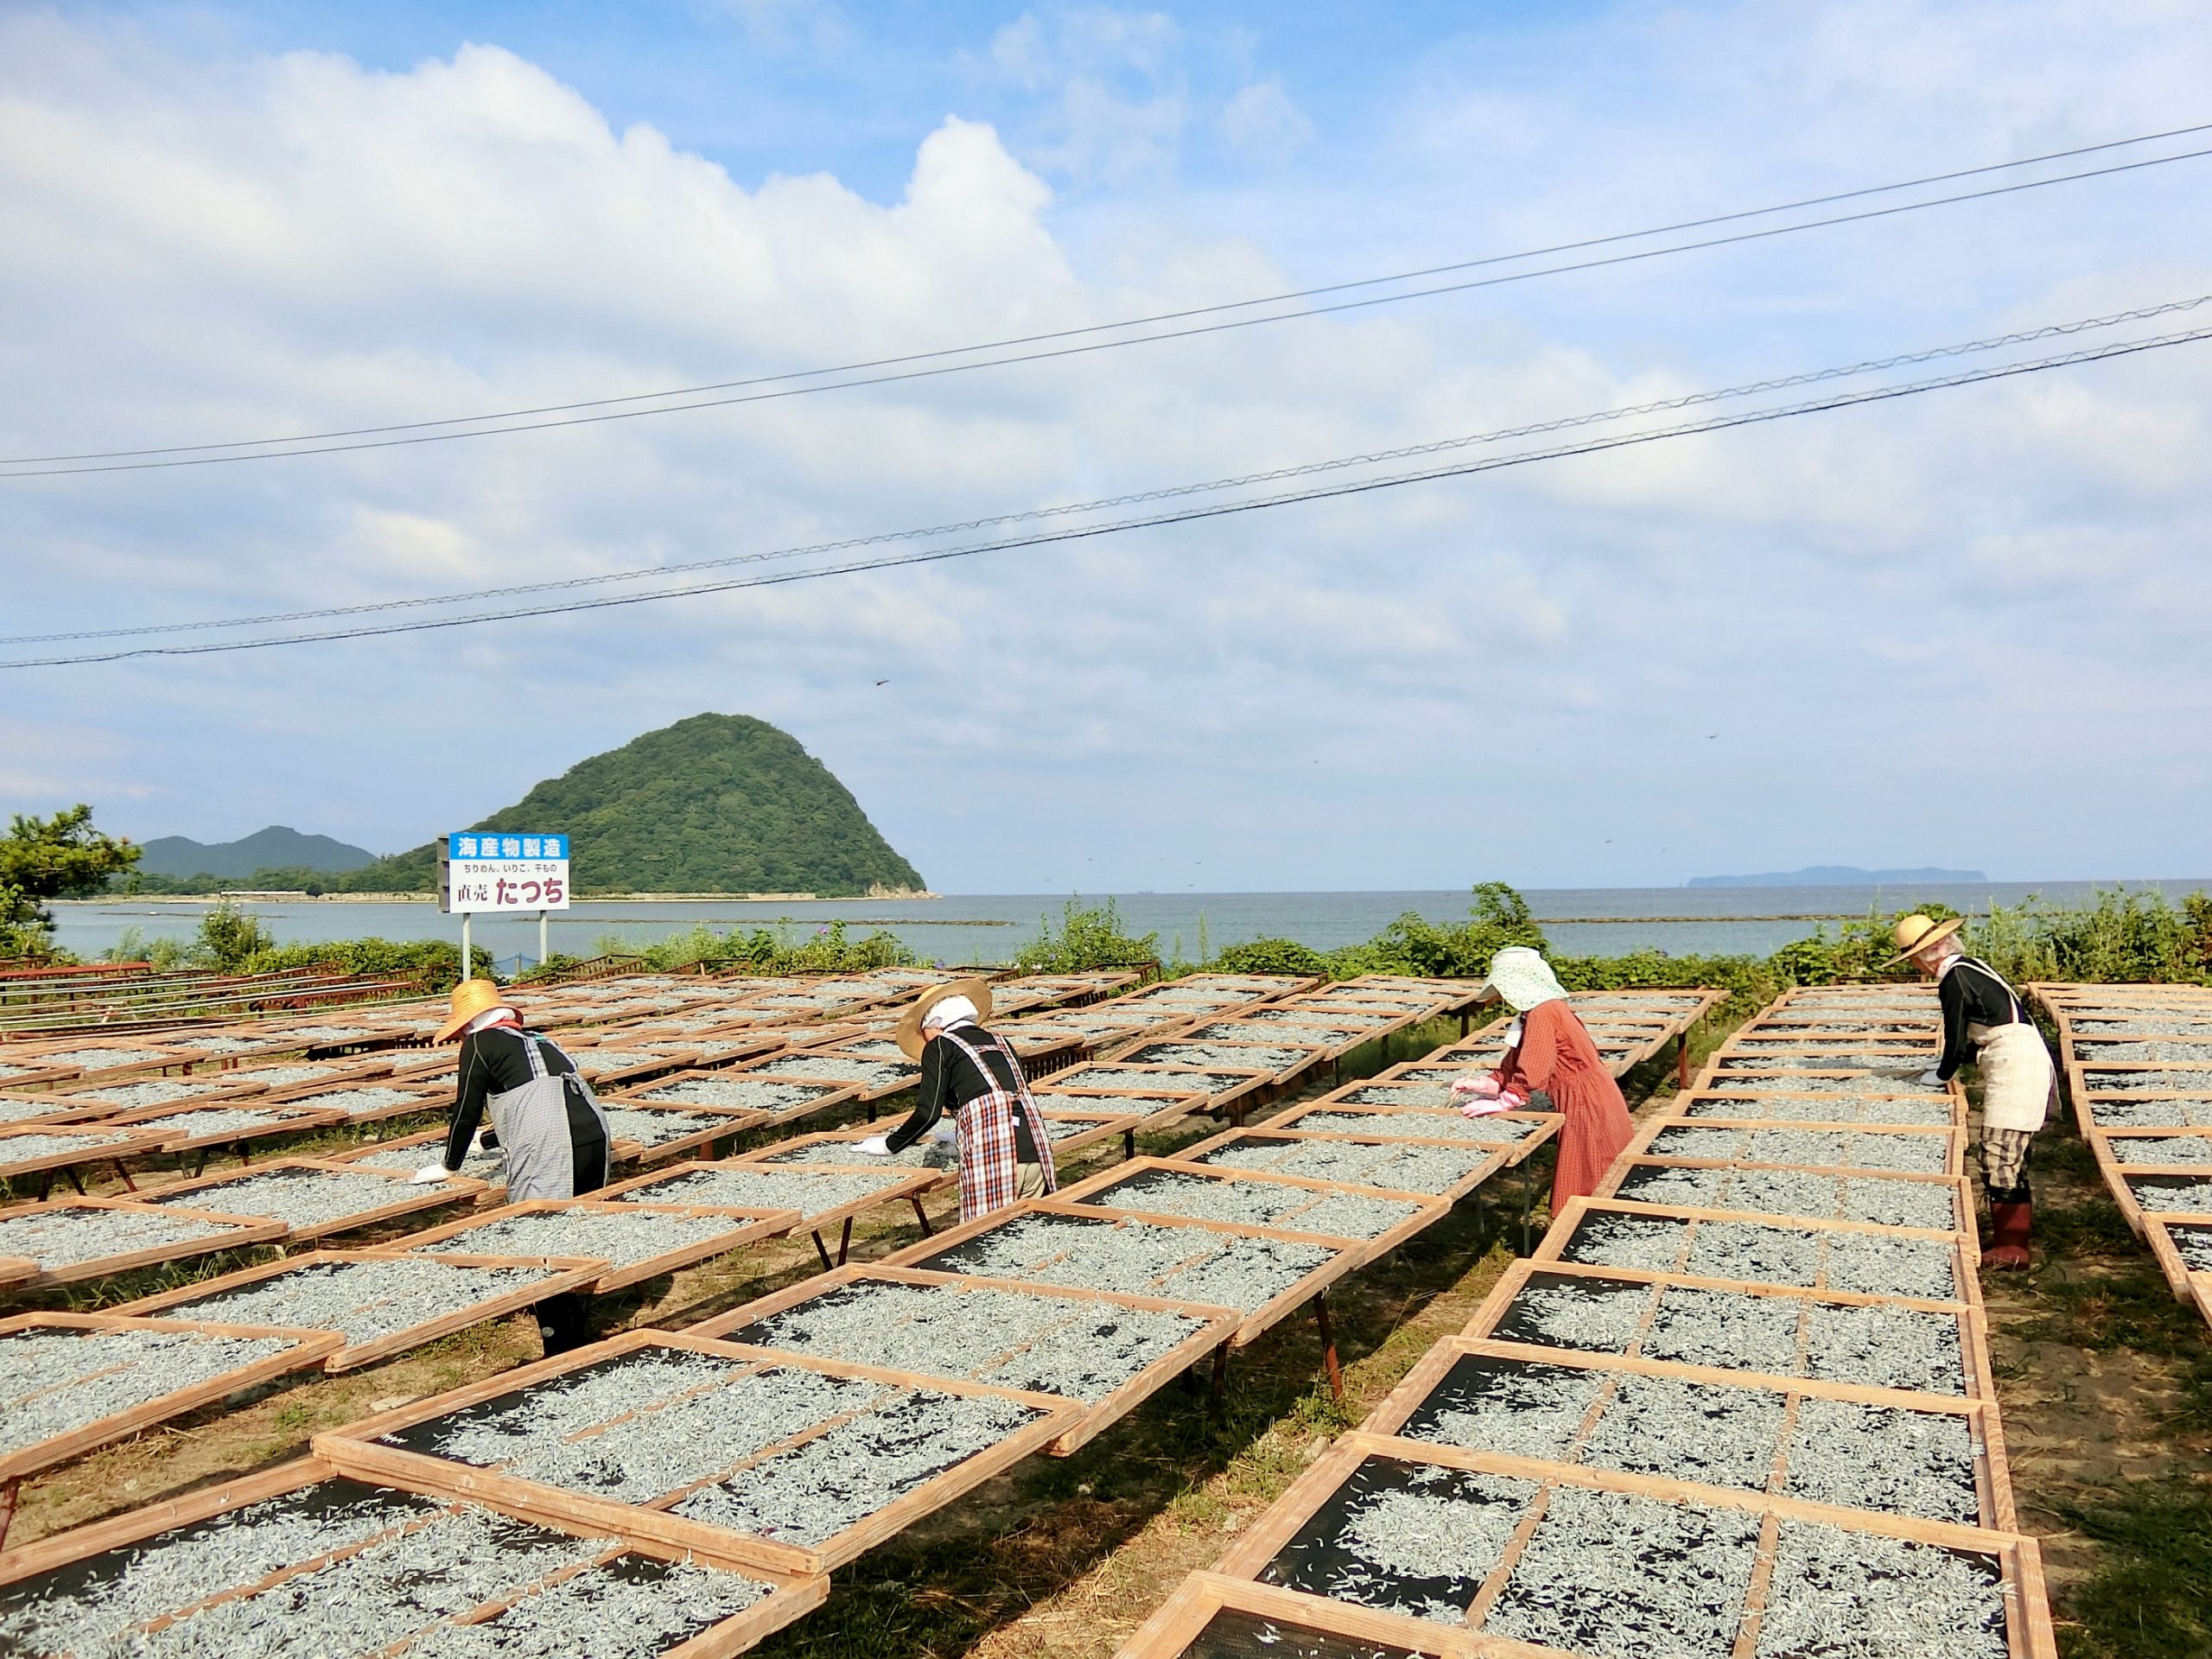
x,y
990,927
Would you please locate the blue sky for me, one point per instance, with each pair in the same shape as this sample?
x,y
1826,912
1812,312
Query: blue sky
x,y
1965,630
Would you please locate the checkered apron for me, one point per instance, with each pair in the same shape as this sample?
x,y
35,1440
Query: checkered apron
x,y
990,1173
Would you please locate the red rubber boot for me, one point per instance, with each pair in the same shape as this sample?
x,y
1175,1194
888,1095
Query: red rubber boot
x,y
2011,1224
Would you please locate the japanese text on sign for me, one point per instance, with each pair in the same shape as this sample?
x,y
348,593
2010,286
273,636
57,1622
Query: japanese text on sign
x,y
489,872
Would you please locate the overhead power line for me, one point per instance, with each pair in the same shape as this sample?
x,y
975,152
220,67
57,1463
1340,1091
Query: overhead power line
x,y
1185,515
770,388
1690,400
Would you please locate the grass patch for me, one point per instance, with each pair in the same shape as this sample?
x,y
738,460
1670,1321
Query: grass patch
x,y
2149,1599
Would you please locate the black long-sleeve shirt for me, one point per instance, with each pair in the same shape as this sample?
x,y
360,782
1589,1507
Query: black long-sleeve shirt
x,y
1972,994
951,1080
492,1061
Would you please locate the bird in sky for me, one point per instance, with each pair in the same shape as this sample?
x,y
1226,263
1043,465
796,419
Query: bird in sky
x,y
883,682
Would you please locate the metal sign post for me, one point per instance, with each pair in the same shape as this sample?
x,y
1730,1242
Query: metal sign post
x,y
499,873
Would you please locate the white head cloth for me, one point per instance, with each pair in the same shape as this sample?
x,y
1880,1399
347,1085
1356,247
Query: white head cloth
x,y
489,1018
1524,978
951,1011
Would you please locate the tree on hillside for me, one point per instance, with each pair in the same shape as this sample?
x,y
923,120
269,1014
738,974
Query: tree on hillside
x,y
59,857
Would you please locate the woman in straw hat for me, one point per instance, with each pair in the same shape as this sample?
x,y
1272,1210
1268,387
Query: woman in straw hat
x,y
1548,1048
973,1077
1984,1020
545,1117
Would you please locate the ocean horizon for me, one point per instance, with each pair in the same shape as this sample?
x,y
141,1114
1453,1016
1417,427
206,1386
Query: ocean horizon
x,y
988,928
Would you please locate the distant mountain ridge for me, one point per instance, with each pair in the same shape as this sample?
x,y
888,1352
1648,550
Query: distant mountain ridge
x,y
1833,875
274,847
713,804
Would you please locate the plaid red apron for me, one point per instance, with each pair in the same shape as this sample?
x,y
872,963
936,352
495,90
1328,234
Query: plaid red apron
x,y
990,1155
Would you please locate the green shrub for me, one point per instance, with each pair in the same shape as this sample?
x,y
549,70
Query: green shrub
x,y
1274,957
1086,938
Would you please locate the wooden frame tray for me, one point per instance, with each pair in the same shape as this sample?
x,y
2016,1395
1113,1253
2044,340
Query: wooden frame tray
x,y
715,1126
656,1094
792,1597
1559,1238
1742,1107
1427,1209
1217,1326
1546,1125
405,1200
1976,1380
1345,1255
239,1232
133,1145
1237,1094
1993,1481
357,1450
1249,1619
309,1349
2190,1285
275,1120
54,1111
1623,1169
564,1275
1642,1148
1488,1159
905,1184
746,1227
1106,1100
1093,1127
2016,1559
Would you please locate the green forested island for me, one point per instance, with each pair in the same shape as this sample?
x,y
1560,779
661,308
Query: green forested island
x,y
714,803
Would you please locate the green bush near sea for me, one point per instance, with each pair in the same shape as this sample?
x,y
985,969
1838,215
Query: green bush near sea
x,y
2123,935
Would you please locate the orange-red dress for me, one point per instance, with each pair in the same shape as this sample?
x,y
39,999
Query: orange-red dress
x,y
1557,1056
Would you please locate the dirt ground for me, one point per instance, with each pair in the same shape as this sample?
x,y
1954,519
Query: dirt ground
x,y
2105,1384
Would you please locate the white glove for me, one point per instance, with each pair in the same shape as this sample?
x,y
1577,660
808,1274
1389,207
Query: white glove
x,y
876,1146
1931,1078
430,1175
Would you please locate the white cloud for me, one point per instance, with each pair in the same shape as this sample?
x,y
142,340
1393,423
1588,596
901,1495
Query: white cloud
x,y
203,250
1262,118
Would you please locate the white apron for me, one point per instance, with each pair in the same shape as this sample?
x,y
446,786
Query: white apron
x,y
532,1124
2017,1079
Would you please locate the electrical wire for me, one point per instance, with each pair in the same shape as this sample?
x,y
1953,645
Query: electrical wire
x,y
1691,400
1216,510
189,456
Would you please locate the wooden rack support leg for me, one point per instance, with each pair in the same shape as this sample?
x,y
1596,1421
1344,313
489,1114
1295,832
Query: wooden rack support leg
x,y
1528,1196
1217,1390
74,1182
45,1185
1328,1348
845,1242
920,1214
1128,1145
1682,1060
123,1175
821,1250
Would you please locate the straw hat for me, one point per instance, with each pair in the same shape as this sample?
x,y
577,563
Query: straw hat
x,y
910,1023
470,998
1916,932
1523,978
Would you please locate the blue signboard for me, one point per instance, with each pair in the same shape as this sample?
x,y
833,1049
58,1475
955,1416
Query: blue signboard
x,y
490,843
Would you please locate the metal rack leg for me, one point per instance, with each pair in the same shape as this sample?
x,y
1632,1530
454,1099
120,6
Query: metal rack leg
x,y
1528,1196
1217,1391
921,1215
1329,1348
845,1242
822,1250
